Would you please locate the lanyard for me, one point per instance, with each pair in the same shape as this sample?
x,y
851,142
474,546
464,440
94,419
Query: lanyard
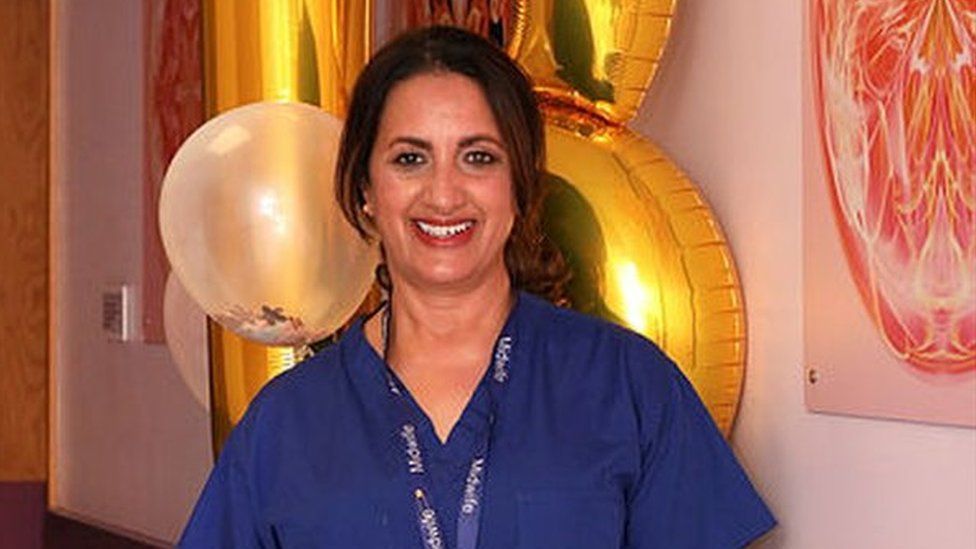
x,y
469,516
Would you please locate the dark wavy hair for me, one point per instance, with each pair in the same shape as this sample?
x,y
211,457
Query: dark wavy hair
x,y
533,263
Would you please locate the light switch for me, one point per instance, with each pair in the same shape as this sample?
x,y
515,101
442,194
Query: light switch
x,y
116,312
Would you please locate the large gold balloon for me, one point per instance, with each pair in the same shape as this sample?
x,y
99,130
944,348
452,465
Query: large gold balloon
x,y
599,55
256,50
287,50
645,251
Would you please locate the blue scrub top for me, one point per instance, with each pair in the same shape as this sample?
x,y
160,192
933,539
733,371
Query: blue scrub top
x,y
598,442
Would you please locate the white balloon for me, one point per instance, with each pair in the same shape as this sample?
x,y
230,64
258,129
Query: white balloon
x,y
185,326
251,226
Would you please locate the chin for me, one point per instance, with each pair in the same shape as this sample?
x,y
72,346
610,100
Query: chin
x,y
448,277
445,279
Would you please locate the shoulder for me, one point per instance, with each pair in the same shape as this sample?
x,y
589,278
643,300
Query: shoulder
x,y
572,338
600,366
614,373
305,380
314,388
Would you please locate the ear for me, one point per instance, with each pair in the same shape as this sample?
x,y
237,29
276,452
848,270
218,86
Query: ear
x,y
369,212
365,192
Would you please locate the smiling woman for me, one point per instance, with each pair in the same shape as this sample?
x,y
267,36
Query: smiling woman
x,y
469,412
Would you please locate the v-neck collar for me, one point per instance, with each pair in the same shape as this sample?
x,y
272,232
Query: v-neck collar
x,y
475,417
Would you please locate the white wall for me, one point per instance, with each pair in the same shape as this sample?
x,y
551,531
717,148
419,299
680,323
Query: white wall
x,y
728,107
130,446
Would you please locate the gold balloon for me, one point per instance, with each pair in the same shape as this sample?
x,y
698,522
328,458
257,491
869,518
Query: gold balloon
x,y
645,251
595,54
286,50
643,246
257,50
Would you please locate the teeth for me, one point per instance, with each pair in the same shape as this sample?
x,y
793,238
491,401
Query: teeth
x,y
444,231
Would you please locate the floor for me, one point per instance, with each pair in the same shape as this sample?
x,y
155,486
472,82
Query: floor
x,y
25,523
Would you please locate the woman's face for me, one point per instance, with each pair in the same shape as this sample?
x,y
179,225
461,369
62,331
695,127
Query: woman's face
x,y
440,185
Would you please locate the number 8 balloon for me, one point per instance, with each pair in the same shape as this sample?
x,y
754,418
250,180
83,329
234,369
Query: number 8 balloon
x,y
652,254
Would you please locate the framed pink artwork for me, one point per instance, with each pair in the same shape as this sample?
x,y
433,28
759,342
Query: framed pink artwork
x,y
173,109
890,209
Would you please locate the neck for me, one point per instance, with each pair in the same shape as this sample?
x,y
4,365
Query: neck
x,y
423,320
440,344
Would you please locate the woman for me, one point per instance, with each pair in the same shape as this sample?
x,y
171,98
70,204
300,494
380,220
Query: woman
x,y
469,412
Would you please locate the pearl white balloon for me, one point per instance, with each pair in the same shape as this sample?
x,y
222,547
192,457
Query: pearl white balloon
x,y
185,326
251,226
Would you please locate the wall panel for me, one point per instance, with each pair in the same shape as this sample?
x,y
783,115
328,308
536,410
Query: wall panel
x,y
23,244
130,440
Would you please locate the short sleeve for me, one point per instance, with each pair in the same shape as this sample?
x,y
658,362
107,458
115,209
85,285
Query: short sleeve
x,y
226,515
691,492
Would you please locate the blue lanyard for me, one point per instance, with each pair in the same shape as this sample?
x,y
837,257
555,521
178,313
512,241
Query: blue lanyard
x,y
469,516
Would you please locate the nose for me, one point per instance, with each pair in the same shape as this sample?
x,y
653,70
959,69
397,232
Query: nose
x,y
445,188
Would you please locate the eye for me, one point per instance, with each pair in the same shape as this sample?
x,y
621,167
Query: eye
x,y
480,157
409,159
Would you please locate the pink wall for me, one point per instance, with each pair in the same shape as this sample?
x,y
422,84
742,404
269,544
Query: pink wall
x,y
131,444
729,106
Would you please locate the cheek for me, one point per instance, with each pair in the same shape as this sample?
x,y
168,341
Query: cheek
x,y
510,205
385,196
498,201
503,214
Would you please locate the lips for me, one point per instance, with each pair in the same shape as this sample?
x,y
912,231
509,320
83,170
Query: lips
x,y
444,232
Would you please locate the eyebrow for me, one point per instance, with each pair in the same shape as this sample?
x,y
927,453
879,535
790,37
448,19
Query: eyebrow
x,y
415,141
426,145
479,137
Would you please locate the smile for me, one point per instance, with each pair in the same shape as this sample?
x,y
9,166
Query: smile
x,y
444,231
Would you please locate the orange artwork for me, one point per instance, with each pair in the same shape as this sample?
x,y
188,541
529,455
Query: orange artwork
x,y
896,98
173,109
889,205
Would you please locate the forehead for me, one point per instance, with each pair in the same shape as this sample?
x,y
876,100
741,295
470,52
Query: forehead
x,y
438,103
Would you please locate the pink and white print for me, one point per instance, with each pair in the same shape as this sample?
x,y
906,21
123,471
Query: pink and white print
x,y
895,91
